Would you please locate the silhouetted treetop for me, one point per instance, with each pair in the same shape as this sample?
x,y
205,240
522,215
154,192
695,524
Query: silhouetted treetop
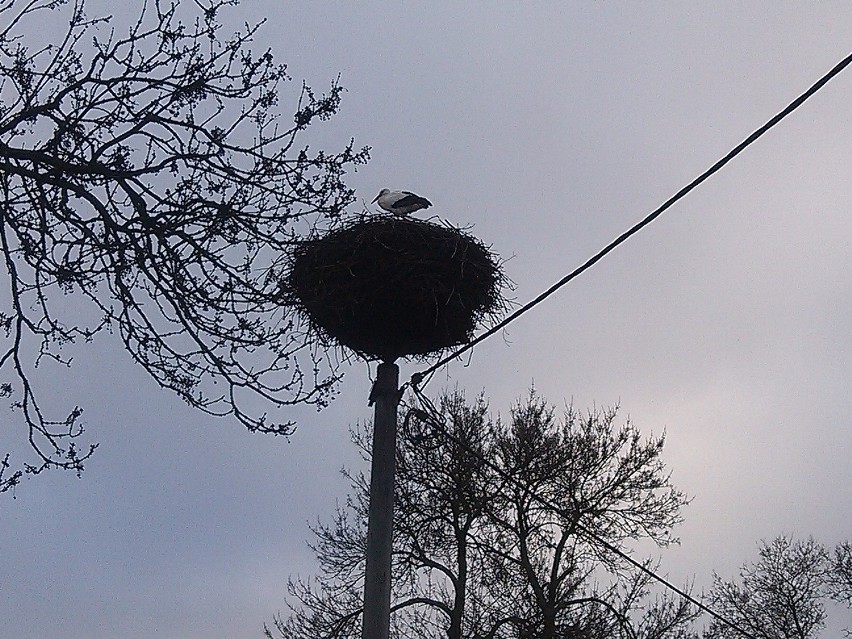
x,y
147,170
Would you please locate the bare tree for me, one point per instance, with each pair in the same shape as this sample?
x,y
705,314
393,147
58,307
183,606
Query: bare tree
x,y
779,597
146,172
607,484
477,553
840,577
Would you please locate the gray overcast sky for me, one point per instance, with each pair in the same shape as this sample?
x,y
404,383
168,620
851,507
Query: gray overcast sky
x,y
550,127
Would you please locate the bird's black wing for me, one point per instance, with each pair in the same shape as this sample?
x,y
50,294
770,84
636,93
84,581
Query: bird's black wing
x,y
411,200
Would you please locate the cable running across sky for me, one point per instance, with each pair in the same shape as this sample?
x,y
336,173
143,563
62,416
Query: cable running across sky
x,y
417,378
432,415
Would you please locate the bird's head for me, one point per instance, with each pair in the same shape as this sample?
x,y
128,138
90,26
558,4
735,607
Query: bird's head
x,y
381,193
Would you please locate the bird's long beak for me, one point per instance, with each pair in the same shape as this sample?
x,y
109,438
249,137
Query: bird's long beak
x,y
375,198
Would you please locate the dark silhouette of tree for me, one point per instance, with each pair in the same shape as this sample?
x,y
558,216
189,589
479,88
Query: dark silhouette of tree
x,y
147,178
840,577
840,581
781,596
476,554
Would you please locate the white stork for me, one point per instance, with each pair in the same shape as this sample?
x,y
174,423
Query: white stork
x,y
401,202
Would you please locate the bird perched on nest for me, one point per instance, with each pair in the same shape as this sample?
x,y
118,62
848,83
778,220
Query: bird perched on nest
x,y
401,202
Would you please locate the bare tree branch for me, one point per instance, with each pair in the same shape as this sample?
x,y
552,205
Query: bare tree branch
x,y
152,175
476,555
780,596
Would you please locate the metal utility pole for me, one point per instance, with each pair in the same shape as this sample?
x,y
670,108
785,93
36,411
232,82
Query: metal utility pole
x,y
377,582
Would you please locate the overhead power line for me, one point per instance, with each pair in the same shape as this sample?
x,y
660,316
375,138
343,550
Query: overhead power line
x,y
433,417
417,378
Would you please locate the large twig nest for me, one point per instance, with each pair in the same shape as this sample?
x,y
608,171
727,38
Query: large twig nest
x,y
388,287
